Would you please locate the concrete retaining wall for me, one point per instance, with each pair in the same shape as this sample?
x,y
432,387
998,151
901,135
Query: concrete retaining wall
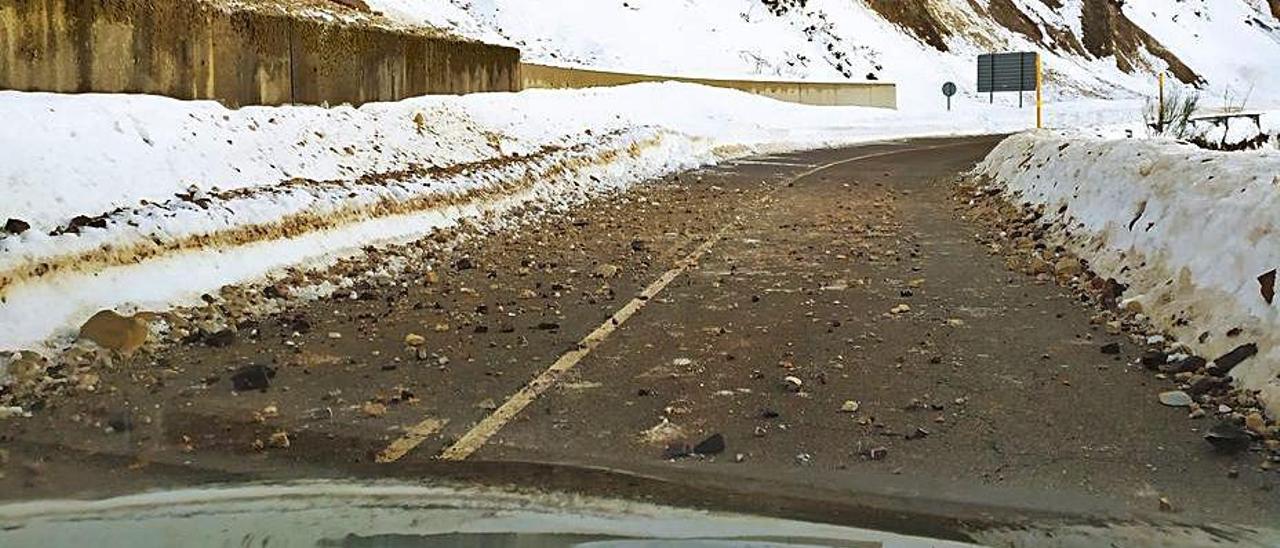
x,y
867,94
188,50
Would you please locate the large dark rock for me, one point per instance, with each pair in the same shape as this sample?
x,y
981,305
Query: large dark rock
x,y
1226,362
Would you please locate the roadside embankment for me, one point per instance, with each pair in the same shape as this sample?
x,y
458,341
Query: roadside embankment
x,y
1188,233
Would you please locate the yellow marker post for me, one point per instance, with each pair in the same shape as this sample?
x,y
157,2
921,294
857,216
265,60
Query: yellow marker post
x,y
1160,107
1039,101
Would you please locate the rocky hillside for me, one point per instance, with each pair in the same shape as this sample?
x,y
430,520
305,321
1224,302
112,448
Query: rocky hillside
x,y
1093,48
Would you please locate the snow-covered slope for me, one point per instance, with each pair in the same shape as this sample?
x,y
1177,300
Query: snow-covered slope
x,y
1234,45
1092,48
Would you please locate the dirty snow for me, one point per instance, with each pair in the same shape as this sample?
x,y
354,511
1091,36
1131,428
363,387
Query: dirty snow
x,y
1189,230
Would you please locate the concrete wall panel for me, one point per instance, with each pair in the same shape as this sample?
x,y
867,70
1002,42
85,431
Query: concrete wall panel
x,y
189,50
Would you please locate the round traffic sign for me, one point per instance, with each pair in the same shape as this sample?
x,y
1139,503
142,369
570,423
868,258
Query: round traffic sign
x,y
948,89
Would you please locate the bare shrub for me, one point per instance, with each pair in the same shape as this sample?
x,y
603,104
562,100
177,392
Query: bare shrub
x,y
1173,118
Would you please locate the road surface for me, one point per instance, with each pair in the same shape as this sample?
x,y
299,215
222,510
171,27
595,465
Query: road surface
x,y
754,300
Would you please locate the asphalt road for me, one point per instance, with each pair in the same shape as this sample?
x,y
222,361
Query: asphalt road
x,y
608,336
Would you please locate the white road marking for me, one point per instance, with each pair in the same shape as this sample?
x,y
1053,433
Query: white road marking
x,y
480,434
767,163
411,439
473,440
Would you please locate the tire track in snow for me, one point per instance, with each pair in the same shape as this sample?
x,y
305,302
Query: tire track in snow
x,y
557,165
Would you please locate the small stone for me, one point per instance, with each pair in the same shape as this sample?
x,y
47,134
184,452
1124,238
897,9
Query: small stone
x,y
1189,364
431,277
335,335
792,383
1165,504
1255,423
877,453
607,271
86,381
1153,359
279,440
1205,384
414,340
13,411
487,404
1175,398
528,294
900,309
373,409
1266,281
850,406
1068,266
1110,348
1133,306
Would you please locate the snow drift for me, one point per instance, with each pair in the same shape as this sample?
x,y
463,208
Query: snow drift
x,y
1191,232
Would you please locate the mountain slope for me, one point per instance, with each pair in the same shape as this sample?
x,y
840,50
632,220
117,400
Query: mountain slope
x,y
1093,48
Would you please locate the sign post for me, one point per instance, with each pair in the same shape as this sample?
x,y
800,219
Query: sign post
x,y
949,89
1018,72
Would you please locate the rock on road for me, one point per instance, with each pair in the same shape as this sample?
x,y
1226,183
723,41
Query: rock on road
x,y
828,324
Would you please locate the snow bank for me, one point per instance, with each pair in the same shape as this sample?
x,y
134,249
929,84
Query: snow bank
x,y
1191,232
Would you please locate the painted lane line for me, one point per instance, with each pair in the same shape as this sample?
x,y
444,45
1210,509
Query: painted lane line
x,y
416,434
767,163
480,434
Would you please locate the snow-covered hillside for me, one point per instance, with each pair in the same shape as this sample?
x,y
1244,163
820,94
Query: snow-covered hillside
x,y
1092,48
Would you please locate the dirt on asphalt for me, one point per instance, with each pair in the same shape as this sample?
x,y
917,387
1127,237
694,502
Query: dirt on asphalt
x,y
846,332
